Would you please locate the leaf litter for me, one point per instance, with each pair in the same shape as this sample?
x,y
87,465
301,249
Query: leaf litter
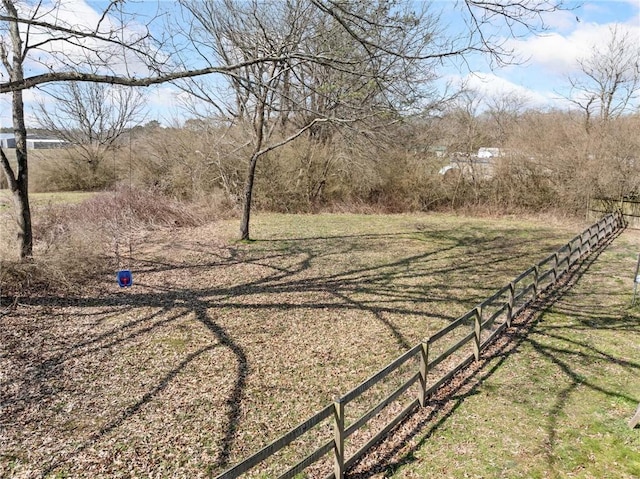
x,y
220,347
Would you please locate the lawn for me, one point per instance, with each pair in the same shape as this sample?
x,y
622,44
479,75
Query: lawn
x,y
43,199
221,346
555,403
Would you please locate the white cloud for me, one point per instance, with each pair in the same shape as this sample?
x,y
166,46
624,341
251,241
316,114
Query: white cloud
x,y
553,51
78,15
490,85
559,53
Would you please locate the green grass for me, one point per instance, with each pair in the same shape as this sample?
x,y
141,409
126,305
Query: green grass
x,y
44,199
558,405
64,197
222,346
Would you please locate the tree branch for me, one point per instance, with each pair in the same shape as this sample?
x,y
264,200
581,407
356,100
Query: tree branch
x,y
8,171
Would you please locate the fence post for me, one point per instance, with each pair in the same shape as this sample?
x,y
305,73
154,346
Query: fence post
x,y
536,275
478,330
512,293
338,439
570,257
555,267
602,225
424,362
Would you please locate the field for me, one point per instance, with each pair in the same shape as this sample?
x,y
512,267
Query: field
x,y
221,346
554,402
43,199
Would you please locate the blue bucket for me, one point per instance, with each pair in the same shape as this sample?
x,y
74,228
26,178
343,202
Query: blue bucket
x,y
125,278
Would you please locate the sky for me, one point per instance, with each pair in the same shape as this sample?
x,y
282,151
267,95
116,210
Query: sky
x,y
540,76
549,58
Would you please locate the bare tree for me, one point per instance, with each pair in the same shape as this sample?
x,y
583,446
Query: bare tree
x,y
330,79
353,64
91,116
110,47
12,56
504,111
609,79
36,31
463,122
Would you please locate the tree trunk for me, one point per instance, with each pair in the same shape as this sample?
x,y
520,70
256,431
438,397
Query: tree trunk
x,y
25,235
19,181
21,192
258,128
248,193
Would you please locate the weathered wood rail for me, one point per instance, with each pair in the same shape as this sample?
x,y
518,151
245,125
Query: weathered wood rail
x,y
629,207
431,363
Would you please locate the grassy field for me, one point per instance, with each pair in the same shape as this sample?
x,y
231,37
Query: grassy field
x,y
42,199
555,403
220,347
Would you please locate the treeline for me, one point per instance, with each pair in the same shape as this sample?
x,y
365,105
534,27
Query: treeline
x,y
548,161
317,105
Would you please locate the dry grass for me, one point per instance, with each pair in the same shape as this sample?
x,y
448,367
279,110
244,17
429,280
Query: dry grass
x,y
81,236
219,347
551,399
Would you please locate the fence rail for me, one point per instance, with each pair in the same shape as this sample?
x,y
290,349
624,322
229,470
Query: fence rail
x,y
479,327
629,207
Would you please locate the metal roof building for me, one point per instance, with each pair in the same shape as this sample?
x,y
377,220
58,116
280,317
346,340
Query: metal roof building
x,y
7,140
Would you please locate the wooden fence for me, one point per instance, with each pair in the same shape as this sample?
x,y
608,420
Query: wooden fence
x,y
628,206
428,365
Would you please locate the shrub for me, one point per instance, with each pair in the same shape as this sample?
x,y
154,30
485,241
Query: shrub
x,y
79,241
65,170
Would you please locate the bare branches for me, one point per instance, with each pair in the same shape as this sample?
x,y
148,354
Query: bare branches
x,y
63,76
287,66
91,116
525,14
107,37
609,80
520,18
394,29
380,30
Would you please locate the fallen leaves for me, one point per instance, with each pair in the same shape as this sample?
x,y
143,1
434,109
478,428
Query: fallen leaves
x,y
221,347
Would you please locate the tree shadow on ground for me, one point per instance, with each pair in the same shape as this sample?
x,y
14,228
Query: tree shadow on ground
x,y
393,451
366,289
